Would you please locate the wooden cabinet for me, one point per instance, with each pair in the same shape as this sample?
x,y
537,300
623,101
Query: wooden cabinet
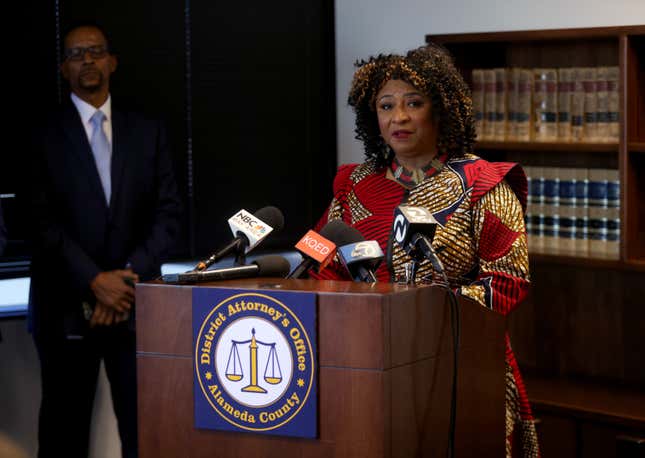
x,y
584,320
588,419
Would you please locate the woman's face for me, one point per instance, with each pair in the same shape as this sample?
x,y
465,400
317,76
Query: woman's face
x,y
405,120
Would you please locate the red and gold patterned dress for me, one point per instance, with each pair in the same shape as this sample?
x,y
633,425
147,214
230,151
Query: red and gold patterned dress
x,y
480,240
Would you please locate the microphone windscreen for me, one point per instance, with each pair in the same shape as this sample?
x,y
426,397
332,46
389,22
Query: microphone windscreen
x,y
272,265
340,233
271,216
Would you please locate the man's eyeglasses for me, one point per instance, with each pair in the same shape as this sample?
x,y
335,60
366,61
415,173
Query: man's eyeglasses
x,y
96,52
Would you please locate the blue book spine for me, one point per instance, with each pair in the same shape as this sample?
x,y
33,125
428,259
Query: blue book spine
x,y
581,213
598,188
613,214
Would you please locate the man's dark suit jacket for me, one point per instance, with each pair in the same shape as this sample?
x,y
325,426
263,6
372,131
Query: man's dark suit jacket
x,y
75,234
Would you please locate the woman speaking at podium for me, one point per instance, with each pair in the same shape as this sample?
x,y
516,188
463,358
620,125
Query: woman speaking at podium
x,y
414,116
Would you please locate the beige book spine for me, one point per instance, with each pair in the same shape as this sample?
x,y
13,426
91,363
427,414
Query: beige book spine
x,y
499,130
536,199
602,104
490,110
582,212
545,104
577,106
565,90
598,206
528,221
613,93
512,94
613,233
478,102
551,210
523,119
597,232
590,126
566,211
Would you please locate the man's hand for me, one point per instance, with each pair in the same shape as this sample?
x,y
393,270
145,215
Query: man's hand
x,y
111,290
102,315
106,316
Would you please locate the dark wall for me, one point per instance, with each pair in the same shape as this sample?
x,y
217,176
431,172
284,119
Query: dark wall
x,y
246,88
29,87
263,113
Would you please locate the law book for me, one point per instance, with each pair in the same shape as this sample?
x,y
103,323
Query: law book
x,y
478,102
551,210
566,211
598,211
613,99
490,110
499,129
565,90
523,119
597,232
512,95
598,182
581,212
577,106
528,171
590,121
613,214
602,104
545,104
536,244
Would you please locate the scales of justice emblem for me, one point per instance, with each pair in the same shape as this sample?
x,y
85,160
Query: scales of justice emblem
x,y
234,369
254,371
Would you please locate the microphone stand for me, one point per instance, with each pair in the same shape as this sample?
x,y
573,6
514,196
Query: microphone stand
x,y
366,275
422,248
240,253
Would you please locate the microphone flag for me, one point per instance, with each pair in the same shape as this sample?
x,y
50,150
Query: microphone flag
x,y
251,226
317,247
409,220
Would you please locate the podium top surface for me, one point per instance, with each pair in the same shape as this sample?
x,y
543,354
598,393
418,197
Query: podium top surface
x,y
281,284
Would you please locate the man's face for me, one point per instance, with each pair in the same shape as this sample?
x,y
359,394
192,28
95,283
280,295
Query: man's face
x,y
88,64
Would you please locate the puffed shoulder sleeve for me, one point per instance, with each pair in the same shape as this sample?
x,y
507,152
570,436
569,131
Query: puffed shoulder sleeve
x,y
335,210
342,185
498,227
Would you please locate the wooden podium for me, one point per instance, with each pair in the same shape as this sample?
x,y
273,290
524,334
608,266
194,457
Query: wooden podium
x,y
384,375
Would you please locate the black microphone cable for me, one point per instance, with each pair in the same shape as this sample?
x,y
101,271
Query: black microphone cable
x,y
455,325
423,245
455,321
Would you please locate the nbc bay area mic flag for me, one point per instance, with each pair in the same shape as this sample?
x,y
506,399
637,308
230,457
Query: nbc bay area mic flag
x,y
254,361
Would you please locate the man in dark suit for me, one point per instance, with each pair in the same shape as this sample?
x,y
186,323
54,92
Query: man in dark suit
x,y
105,211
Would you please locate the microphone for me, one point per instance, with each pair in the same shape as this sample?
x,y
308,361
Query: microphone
x,y
266,266
316,249
414,229
249,230
409,220
359,256
361,259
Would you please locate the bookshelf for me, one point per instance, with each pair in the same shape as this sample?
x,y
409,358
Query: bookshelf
x,y
610,264
636,147
548,147
582,324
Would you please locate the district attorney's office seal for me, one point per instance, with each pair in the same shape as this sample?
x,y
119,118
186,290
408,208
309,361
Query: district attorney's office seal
x,y
254,362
